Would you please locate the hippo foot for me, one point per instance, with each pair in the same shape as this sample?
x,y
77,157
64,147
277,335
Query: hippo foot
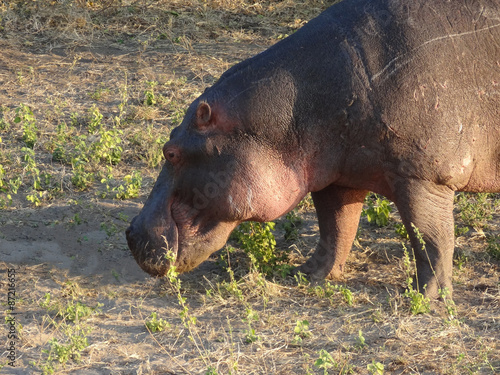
x,y
318,272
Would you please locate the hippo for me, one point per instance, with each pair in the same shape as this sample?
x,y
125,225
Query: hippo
x,y
396,97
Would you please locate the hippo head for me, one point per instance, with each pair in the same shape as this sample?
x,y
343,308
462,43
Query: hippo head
x,y
218,172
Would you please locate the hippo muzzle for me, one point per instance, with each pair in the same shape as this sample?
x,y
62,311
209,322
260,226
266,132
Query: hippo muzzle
x,y
153,244
153,236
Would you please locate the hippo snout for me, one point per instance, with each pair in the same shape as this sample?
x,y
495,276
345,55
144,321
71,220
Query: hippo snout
x,y
152,245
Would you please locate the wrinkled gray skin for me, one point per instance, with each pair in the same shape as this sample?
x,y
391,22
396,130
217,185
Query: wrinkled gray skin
x,y
397,97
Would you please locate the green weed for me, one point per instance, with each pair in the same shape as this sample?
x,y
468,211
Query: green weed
x,y
475,209
129,189
100,93
360,341
329,290
401,230
460,230
81,179
108,148
258,242
156,325
232,287
149,93
74,341
72,329
325,361
75,312
178,111
301,332
110,228
25,117
250,335
71,311
32,170
211,371
378,210
419,304
4,124
5,197
94,119
376,368
493,248
451,308
290,226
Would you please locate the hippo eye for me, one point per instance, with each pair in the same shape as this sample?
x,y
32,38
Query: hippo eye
x,y
172,155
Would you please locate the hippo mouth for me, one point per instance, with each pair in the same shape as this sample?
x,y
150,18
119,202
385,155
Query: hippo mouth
x,y
154,245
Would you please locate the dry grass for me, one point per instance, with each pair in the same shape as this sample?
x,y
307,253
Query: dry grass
x,y
65,59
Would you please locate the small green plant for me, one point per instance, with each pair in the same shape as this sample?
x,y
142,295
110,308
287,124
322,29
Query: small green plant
x,y
75,119
419,304
77,220
178,111
493,248
4,124
401,230
378,210
172,276
108,147
4,187
211,371
8,187
81,179
153,152
347,294
94,119
451,308
75,312
72,329
250,335
301,279
61,352
156,325
130,188
475,209
258,242
325,361
149,93
376,368
26,118
100,93
460,230
71,311
301,331
330,290
291,225
110,228
232,287
361,341
31,169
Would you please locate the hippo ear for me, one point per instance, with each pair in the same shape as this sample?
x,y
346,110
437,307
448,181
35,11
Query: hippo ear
x,y
213,118
203,115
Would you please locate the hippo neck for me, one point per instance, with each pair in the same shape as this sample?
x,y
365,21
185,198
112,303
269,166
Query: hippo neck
x,y
275,96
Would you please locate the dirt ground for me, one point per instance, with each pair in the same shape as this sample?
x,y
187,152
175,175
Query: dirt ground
x,y
71,246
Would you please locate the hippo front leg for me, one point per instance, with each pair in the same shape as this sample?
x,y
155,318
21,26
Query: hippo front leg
x,y
338,211
429,207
